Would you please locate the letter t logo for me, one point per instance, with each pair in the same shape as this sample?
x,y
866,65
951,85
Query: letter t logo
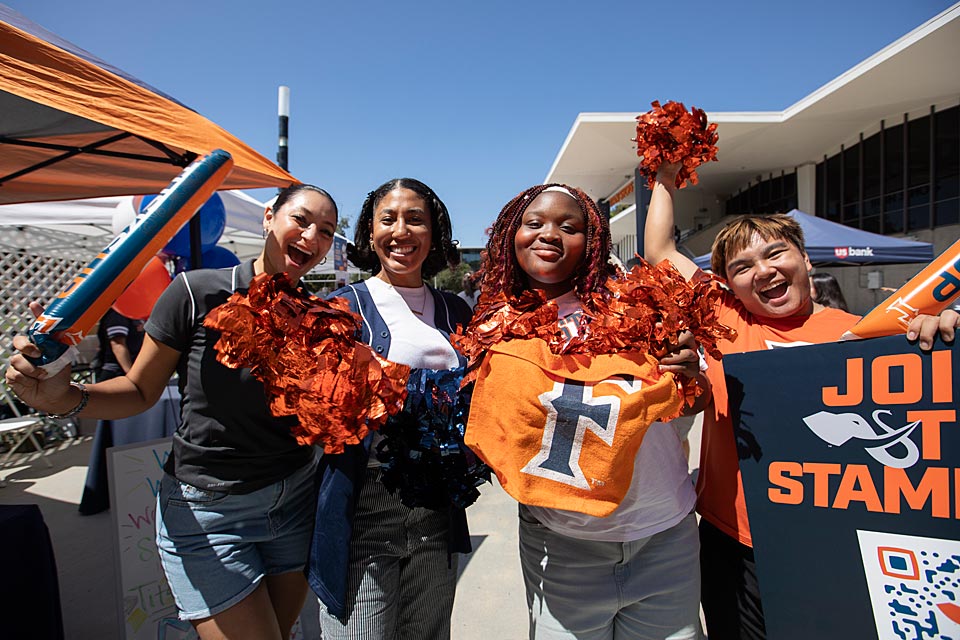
x,y
571,412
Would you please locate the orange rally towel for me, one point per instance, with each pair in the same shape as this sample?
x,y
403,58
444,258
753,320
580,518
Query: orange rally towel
x,y
563,431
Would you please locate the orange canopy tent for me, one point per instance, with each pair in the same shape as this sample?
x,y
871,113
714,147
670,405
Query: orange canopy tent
x,y
72,126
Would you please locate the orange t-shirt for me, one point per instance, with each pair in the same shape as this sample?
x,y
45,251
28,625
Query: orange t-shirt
x,y
719,486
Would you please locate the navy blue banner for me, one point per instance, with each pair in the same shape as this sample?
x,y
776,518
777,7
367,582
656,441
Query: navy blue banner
x,y
849,456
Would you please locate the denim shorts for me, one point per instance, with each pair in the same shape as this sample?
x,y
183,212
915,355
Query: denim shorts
x,y
215,547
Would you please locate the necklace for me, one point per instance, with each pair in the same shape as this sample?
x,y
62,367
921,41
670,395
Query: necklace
x,y
410,296
423,302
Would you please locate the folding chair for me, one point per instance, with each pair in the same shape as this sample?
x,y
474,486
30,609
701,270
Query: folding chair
x,y
23,428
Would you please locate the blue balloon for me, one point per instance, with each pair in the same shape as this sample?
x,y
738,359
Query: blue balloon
x,y
213,220
218,258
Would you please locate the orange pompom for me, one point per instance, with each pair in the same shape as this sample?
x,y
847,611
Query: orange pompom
x,y
643,310
304,351
672,134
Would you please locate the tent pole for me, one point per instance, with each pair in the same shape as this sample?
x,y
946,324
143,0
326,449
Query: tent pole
x,y
196,247
283,112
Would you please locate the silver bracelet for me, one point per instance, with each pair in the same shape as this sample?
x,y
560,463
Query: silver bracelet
x,y
84,399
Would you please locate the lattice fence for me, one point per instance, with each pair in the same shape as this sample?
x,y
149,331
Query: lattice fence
x,y
36,276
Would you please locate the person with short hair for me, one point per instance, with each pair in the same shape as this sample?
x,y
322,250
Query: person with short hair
x,y
469,293
764,262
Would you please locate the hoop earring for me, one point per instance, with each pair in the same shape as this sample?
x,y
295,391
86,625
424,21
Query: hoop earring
x,y
324,261
371,245
264,233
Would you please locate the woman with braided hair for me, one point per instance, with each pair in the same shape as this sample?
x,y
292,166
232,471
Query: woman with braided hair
x,y
382,569
502,269
632,573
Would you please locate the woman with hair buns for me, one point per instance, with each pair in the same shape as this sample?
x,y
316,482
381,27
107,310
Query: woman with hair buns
x,y
234,505
382,569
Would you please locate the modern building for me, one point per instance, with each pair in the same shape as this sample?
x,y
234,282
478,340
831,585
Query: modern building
x,y
471,256
877,148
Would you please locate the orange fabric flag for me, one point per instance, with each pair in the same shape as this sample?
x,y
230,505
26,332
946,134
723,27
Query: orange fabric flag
x,y
563,431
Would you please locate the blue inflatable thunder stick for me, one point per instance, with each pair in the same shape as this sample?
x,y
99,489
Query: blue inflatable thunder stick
x,y
69,317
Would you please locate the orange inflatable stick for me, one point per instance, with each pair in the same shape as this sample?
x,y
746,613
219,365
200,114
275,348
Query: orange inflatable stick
x,y
930,291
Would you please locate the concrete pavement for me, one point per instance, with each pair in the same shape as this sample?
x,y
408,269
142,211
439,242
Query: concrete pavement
x,y
490,602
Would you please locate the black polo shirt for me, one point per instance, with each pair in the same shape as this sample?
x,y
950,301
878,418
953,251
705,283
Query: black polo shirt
x,y
227,439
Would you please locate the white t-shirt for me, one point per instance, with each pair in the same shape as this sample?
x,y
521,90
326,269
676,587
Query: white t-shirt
x,y
414,339
661,493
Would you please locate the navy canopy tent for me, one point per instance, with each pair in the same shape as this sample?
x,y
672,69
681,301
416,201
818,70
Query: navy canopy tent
x,y
830,243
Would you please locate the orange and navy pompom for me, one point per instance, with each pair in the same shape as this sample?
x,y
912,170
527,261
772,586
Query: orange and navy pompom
x,y
422,454
305,352
670,133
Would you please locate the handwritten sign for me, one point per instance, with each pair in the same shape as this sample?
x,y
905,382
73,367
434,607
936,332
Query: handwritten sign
x,y
146,608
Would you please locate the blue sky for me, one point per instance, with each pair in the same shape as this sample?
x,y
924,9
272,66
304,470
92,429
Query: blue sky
x,y
476,98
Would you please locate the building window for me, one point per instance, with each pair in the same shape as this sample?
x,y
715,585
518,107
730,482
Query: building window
x,y
775,194
850,215
789,198
918,174
946,161
904,178
821,189
872,183
834,188
893,179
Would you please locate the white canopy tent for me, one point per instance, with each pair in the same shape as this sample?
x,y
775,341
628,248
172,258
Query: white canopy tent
x,y
79,229
44,244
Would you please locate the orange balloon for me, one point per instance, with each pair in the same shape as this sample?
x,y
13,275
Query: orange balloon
x,y
137,300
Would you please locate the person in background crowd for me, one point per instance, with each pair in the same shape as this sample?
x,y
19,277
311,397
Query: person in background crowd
x,y
825,290
469,294
120,340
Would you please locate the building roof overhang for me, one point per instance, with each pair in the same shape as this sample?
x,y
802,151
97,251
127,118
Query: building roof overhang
x,y
909,76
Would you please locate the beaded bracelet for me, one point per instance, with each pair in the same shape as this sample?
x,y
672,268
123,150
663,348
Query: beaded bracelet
x,y
84,399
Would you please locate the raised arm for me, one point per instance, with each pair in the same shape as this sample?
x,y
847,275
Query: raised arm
x,y
658,239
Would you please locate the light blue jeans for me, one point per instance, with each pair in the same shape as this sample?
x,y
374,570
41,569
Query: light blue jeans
x,y
215,547
647,589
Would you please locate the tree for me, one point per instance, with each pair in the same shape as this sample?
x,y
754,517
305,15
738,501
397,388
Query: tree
x,y
452,279
343,224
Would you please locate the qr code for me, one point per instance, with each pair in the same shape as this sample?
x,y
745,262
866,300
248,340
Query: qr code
x,y
914,585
